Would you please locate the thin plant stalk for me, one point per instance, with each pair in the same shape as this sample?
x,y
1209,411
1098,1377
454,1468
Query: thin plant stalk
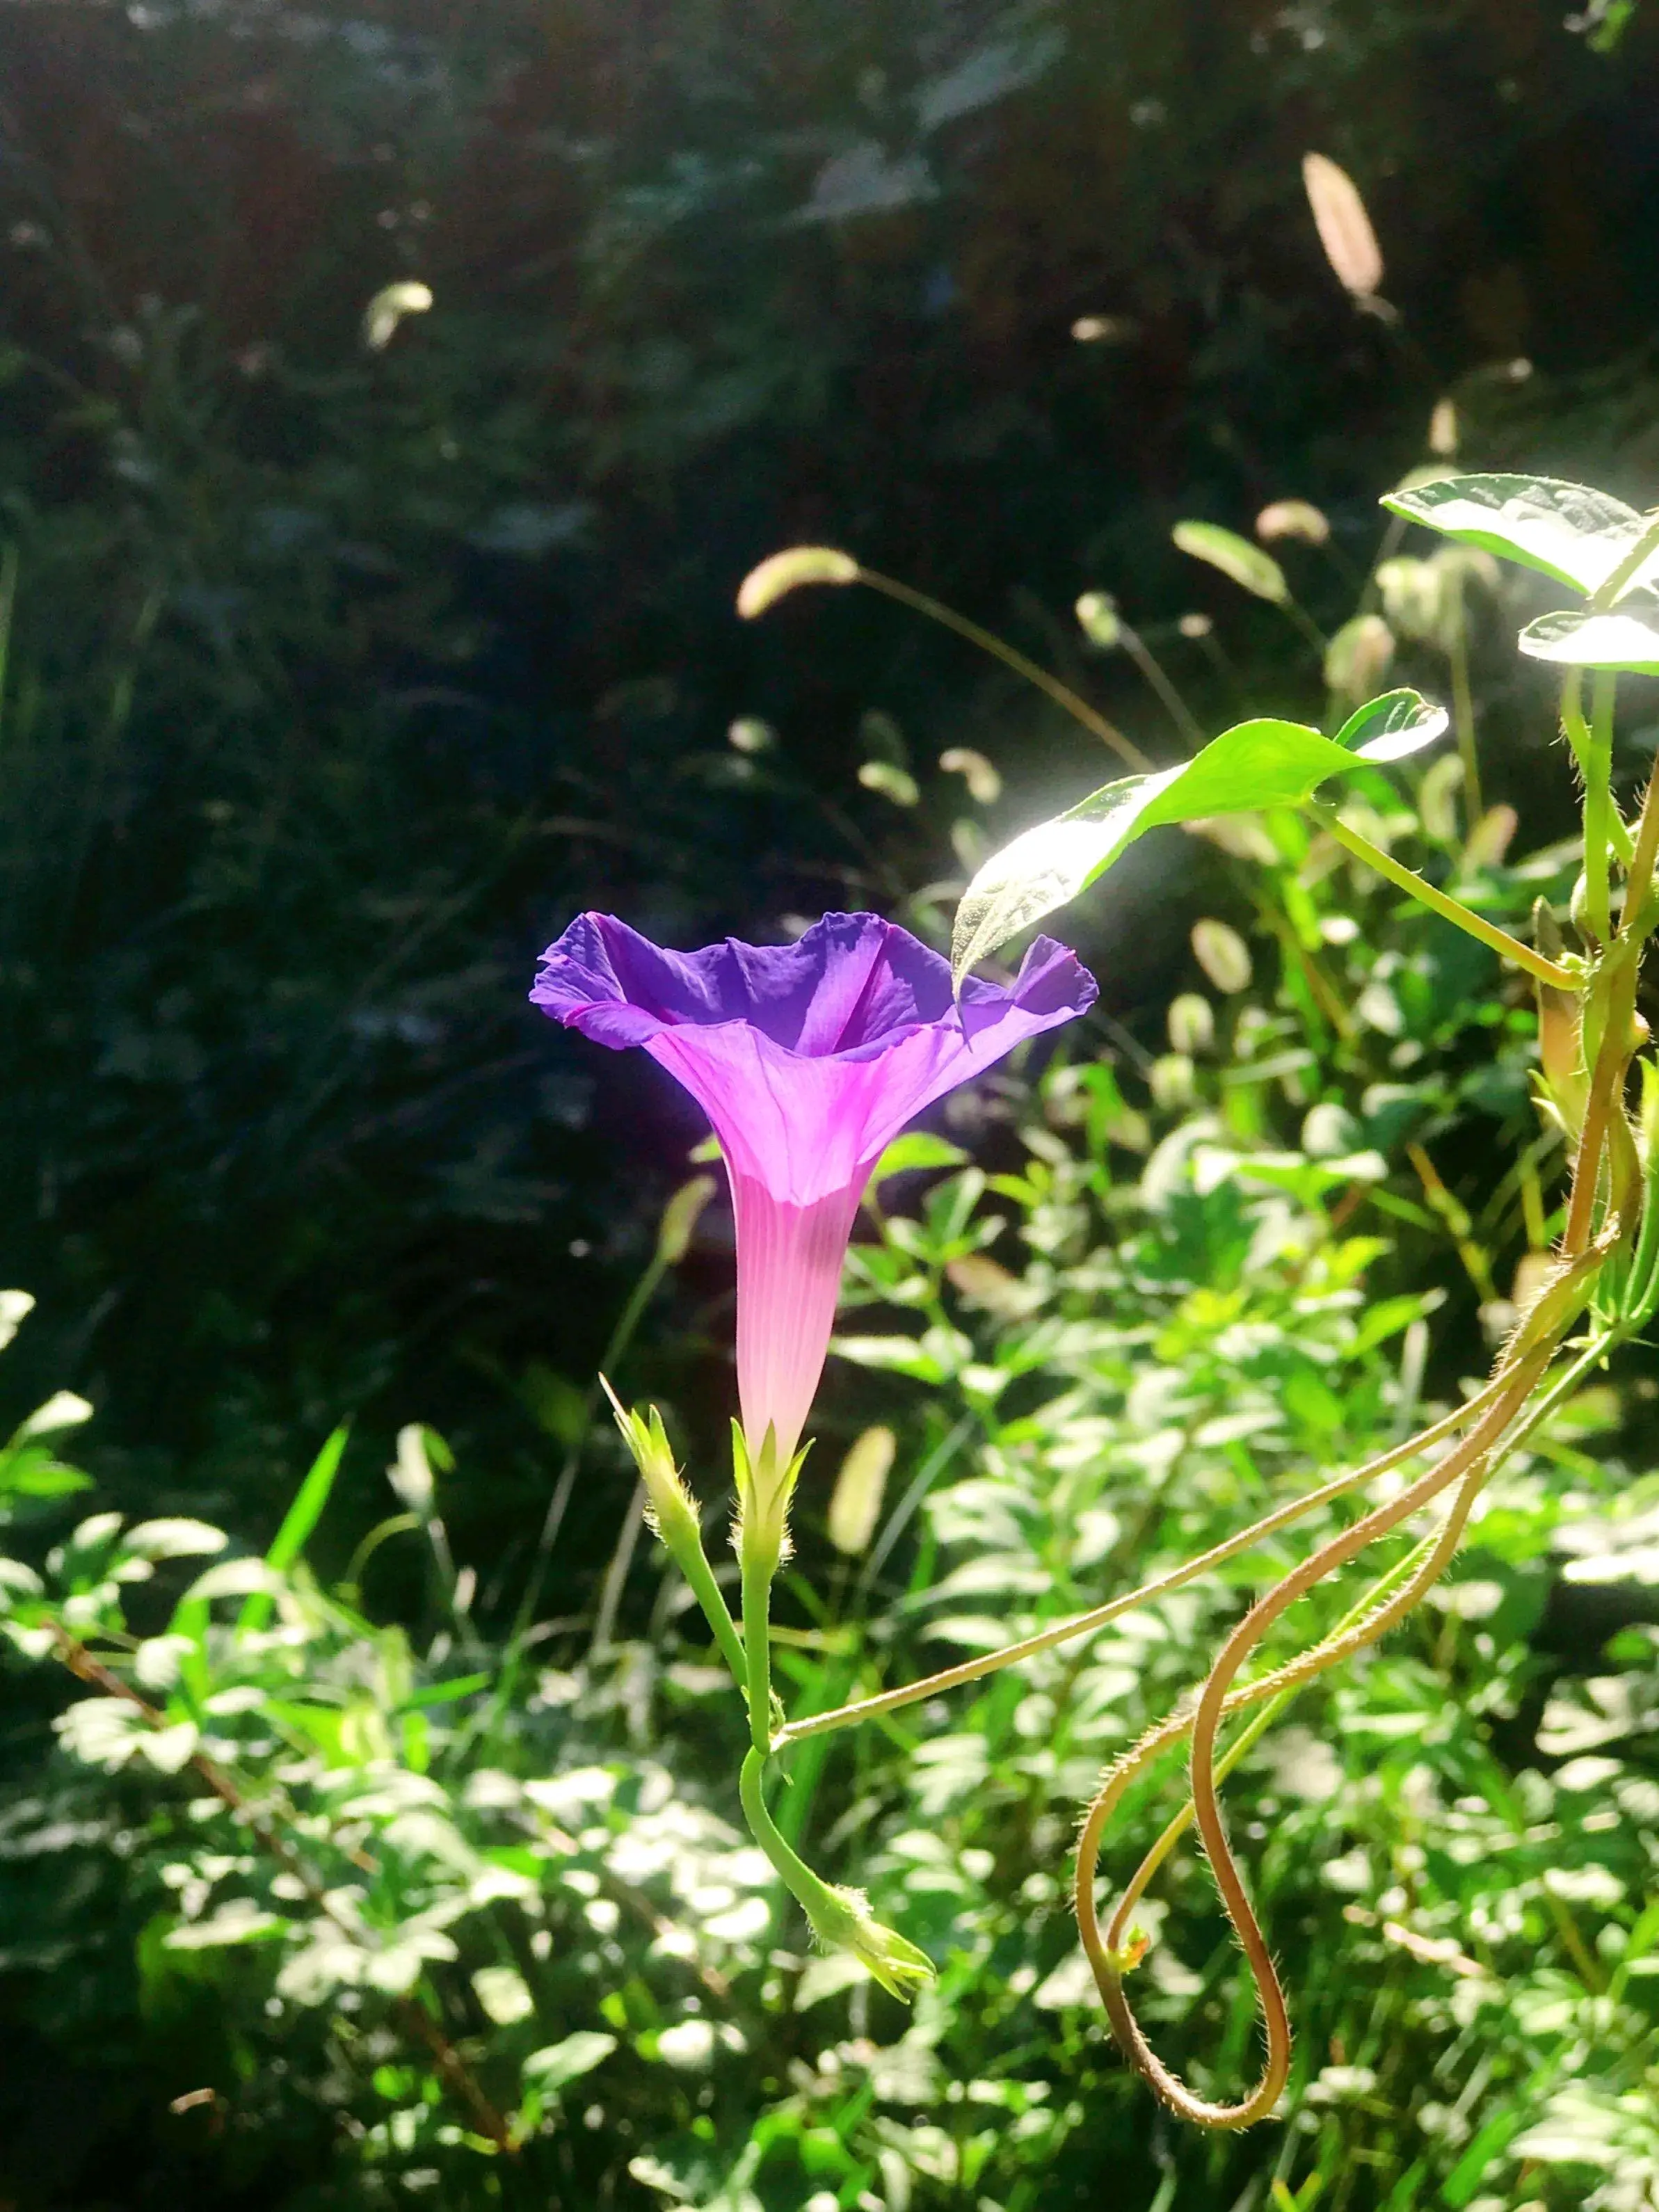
x,y
1464,719
1157,676
1061,694
1448,909
1598,810
1581,742
1375,1612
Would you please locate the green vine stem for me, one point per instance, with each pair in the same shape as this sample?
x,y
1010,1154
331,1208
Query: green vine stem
x,y
1100,1616
1599,810
1365,1624
1449,910
693,1563
1577,731
1463,718
1109,1967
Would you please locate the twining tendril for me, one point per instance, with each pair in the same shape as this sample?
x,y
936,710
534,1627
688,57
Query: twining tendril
x,y
1467,1465
1100,1616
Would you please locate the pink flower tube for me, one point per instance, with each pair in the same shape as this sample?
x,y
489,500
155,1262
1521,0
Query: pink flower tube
x,y
808,1059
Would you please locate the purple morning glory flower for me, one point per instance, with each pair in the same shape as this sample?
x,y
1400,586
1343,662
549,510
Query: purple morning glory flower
x,y
809,1058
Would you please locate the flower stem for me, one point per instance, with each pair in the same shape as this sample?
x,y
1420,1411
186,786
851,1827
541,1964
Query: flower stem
x,y
1449,910
1061,694
693,1563
808,1889
758,1568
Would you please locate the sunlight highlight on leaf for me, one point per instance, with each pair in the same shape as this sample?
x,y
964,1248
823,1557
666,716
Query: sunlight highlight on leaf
x,y
1246,564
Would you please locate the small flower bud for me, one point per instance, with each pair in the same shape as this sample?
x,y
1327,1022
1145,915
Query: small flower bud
x,y
1292,518
892,782
761,1536
1444,428
1437,799
387,309
749,734
671,1510
842,1921
982,779
855,1502
1357,656
1170,1081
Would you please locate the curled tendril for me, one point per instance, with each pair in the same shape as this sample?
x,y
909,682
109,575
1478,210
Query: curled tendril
x,y
1111,1957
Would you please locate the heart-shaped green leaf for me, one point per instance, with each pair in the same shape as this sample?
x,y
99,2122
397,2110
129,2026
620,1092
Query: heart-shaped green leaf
x,y
1626,640
1568,531
1235,556
1389,728
1259,763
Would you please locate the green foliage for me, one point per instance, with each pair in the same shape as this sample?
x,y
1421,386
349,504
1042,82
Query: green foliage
x,y
344,641
1247,565
1169,1306
1622,640
1577,535
1261,763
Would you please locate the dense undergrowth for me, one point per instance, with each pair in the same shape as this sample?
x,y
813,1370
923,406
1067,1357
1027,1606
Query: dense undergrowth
x,y
324,1844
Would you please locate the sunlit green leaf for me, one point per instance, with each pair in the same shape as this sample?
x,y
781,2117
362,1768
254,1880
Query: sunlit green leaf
x,y
301,1518
555,2064
1577,535
917,1149
238,1920
176,1539
1389,728
1247,564
1625,640
1265,762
